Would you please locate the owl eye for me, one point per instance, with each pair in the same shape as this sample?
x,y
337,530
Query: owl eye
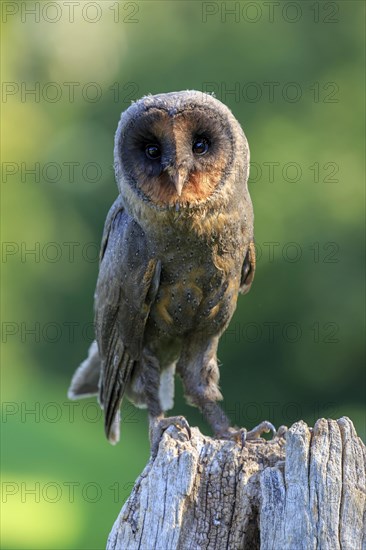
x,y
200,146
152,151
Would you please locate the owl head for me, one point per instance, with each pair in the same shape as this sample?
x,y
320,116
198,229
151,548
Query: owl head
x,y
179,150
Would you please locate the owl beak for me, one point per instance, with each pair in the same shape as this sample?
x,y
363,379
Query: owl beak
x,y
179,178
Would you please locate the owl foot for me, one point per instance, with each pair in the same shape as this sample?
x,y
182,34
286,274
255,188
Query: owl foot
x,y
159,424
241,435
263,427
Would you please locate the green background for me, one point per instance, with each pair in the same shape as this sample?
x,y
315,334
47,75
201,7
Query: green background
x,y
294,79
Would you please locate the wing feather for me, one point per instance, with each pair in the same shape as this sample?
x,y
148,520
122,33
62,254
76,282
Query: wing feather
x,y
248,269
127,285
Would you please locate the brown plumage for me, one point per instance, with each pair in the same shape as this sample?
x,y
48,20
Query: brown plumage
x,y
176,251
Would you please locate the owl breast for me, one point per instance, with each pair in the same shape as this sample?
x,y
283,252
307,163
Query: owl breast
x,y
195,294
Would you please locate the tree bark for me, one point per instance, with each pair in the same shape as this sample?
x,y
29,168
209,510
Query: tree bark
x,y
303,493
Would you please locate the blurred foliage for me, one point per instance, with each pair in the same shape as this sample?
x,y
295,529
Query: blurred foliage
x,y
294,348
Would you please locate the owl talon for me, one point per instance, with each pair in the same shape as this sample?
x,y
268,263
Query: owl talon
x,y
241,435
238,435
263,427
159,425
281,432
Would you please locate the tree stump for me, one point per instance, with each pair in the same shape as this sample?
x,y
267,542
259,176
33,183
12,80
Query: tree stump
x,y
303,493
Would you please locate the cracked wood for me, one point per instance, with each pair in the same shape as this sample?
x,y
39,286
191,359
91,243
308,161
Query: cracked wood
x,y
305,493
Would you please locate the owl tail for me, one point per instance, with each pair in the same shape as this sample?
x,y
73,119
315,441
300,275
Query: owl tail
x,y
85,381
116,374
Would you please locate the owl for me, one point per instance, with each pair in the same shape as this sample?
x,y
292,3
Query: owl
x,y
176,252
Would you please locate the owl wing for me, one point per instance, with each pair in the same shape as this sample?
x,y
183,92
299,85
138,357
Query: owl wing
x,y
127,285
248,269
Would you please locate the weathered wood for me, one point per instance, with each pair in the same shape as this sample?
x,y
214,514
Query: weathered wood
x,y
305,493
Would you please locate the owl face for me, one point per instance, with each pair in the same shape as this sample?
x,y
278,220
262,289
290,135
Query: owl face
x,y
175,150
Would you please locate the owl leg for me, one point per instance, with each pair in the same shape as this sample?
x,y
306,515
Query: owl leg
x,y
200,374
198,369
157,423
